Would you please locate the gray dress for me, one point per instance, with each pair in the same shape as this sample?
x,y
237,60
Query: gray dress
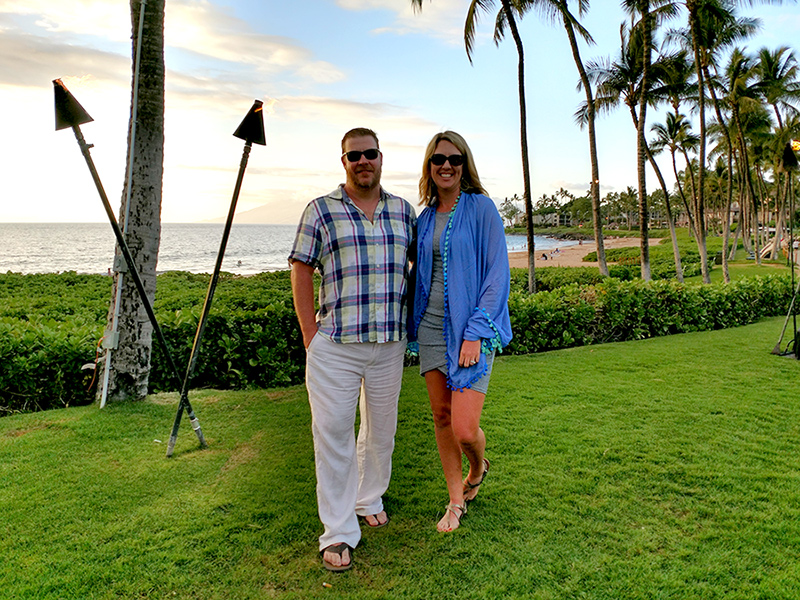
x,y
430,336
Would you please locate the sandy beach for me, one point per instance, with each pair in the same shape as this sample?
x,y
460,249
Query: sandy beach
x,y
572,256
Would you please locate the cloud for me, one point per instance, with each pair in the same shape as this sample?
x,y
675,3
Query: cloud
x,y
32,60
40,33
201,28
110,20
315,107
442,19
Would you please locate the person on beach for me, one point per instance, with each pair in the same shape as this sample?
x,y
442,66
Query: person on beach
x,y
460,315
357,237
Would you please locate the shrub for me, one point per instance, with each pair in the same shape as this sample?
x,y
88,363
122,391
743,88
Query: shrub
x,y
551,278
41,364
615,310
50,325
662,261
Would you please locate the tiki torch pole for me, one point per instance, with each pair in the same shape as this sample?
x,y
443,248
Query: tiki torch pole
x,y
251,130
69,113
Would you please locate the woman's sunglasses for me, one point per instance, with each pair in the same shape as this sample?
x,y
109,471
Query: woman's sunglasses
x,y
355,155
455,160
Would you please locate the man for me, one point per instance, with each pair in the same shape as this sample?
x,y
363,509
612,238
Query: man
x,y
357,237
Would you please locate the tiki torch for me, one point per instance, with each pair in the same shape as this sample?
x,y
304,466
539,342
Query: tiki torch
x,y
69,113
251,130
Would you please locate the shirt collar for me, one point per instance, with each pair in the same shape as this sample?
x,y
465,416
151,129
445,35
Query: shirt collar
x,y
340,194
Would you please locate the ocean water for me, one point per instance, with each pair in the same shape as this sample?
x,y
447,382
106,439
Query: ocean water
x,y
193,247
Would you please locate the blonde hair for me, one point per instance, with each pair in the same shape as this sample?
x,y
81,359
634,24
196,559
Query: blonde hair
x,y
470,182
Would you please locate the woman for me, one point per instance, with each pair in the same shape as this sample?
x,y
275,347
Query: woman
x,y
460,315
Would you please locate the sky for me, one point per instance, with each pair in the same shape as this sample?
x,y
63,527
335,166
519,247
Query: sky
x,y
321,67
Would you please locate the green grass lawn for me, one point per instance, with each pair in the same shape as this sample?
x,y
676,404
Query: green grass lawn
x,y
664,468
741,269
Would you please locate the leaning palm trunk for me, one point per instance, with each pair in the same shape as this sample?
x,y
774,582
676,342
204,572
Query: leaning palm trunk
x,y
676,253
726,224
748,180
726,229
129,368
523,132
699,222
689,210
591,113
773,250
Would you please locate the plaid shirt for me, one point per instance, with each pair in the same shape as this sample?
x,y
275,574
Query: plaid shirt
x,y
363,264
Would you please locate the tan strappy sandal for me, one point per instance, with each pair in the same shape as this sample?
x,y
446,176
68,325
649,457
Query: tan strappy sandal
x,y
453,507
468,487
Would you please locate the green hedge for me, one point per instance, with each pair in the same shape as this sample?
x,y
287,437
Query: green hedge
x,y
614,310
51,325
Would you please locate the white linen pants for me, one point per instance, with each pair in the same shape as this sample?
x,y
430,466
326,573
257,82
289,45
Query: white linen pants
x,y
352,477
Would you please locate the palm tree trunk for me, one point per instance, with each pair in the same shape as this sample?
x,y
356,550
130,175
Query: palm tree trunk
x,y
597,219
748,180
689,209
726,229
744,207
700,219
641,144
523,127
129,368
676,253
780,211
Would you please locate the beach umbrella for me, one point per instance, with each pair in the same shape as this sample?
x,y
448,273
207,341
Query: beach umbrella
x,y
251,130
69,113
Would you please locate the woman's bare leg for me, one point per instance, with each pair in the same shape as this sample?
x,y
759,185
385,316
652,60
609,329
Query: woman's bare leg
x,y
449,449
467,407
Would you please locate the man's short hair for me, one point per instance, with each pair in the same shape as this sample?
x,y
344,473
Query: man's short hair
x,y
360,132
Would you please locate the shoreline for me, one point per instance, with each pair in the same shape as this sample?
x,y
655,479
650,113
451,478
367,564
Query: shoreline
x,y
572,256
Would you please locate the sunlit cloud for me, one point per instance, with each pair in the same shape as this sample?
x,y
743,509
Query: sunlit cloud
x,y
31,60
192,26
202,28
442,19
84,17
268,54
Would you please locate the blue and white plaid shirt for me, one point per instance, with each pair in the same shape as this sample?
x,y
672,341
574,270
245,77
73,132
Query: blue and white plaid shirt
x,y
363,265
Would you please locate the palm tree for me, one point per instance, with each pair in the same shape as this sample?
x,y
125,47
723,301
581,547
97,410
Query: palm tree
x,y
696,8
676,136
777,73
558,11
741,98
129,367
716,28
623,81
646,24
783,138
506,16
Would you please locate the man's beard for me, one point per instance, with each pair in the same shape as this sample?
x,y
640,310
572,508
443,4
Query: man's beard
x,y
373,182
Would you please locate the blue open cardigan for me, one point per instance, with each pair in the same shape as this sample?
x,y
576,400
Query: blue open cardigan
x,y
477,282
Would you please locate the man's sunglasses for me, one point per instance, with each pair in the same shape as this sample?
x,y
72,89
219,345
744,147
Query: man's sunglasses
x,y
455,160
355,155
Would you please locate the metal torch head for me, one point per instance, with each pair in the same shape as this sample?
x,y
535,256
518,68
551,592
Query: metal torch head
x,y
789,158
69,111
251,129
